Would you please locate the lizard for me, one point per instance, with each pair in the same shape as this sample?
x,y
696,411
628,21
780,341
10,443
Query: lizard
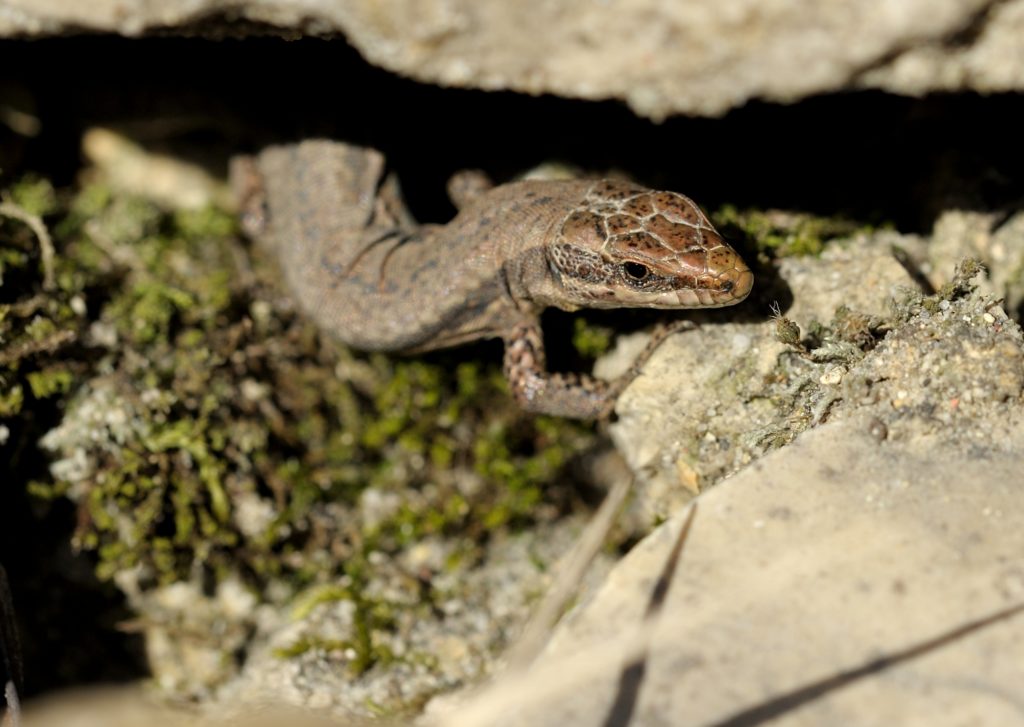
x,y
357,262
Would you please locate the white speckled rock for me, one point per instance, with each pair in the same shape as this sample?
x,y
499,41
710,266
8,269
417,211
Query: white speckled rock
x,y
698,57
701,409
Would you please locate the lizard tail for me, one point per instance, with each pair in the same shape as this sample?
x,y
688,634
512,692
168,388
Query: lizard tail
x,y
321,206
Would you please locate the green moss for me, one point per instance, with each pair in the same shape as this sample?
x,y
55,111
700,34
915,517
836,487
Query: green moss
x,y
12,397
223,436
591,341
305,602
148,310
53,380
783,234
795,386
40,328
221,402
11,260
368,617
962,283
309,643
34,195
912,300
35,325
208,222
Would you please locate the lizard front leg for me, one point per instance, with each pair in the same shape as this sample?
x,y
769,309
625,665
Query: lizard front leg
x,y
568,395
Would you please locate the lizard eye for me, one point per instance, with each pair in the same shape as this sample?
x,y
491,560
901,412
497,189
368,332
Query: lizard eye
x,y
636,271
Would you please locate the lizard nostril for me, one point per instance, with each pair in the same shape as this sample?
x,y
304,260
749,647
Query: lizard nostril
x,y
727,286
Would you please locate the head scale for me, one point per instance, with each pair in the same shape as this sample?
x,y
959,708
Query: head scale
x,y
627,246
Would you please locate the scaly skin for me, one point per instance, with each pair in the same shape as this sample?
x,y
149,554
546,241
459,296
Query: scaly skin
x,y
366,272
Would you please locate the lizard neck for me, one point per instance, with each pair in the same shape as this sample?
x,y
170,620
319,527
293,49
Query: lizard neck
x,y
532,284
532,214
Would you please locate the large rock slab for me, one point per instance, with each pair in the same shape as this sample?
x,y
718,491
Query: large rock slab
x,y
839,580
700,57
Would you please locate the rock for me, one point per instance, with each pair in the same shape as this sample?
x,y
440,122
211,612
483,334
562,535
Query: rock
x,y
840,580
122,706
179,620
134,704
713,399
306,656
997,240
170,182
985,56
867,572
702,57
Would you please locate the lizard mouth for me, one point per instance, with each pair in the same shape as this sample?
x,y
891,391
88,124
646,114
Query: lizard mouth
x,y
727,288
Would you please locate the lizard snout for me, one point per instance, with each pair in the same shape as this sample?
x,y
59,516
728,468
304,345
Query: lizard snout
x,y
723,285
734,284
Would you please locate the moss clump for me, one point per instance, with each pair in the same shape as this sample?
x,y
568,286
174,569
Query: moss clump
x,y
589,340
35,326
775,233
362,650
210,433
52,380
804,382
222,400
34,195
12,398
960,286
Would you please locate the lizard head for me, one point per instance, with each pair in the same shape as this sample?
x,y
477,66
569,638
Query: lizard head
x,y
626,246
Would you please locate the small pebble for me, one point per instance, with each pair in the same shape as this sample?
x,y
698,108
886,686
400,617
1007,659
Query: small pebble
x,y
833,376
878,430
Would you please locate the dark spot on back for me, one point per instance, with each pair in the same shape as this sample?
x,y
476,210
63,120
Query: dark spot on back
x,y
639,206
